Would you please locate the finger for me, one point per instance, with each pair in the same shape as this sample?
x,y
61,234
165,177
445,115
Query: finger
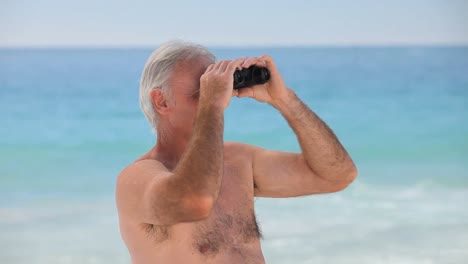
x,y
249,62
222,66
210,67
246,92
267,59
243,61
264,61
260,62
233,65
217,65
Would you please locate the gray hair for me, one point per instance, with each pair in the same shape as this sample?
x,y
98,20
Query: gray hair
x,y
158,69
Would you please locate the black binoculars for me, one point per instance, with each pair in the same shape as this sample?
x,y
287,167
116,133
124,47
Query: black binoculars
x,y
251,76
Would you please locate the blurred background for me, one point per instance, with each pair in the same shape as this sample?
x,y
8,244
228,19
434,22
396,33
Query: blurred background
x,y
389,77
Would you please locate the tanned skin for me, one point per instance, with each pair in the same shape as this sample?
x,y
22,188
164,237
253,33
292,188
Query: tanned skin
x,y
190,198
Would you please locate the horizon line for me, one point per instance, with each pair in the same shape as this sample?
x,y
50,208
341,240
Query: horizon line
x,y
248,46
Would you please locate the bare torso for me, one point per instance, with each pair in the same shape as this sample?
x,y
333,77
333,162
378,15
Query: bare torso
x,y
229,235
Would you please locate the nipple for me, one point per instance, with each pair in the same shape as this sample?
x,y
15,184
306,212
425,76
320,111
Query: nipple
x,y
204,248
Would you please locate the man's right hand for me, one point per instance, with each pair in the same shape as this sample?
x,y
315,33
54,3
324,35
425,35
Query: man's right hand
x,y
216,84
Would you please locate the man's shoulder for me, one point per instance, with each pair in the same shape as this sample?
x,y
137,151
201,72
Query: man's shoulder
x,y
240,146
139,167
238,149
237,146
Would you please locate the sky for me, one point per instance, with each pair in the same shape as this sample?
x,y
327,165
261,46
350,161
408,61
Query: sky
x,y
120,23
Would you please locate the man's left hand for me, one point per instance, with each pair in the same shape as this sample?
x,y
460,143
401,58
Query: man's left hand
x,y
271,92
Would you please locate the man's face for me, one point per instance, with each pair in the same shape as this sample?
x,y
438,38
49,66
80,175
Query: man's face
x,y
185,87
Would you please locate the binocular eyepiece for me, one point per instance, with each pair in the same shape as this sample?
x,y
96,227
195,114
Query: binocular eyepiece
x,y
251,76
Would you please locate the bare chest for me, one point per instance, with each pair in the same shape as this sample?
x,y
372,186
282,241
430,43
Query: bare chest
x,y
232,220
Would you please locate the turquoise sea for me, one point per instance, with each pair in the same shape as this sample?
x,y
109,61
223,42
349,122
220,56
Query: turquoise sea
x,y
70,121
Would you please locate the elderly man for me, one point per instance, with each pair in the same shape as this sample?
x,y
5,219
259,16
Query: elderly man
x,y
190,199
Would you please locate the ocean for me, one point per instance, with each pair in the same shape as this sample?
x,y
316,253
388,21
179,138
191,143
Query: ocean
x,y
70,122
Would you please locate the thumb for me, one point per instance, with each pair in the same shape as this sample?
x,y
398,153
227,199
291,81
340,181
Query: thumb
x,y
246,92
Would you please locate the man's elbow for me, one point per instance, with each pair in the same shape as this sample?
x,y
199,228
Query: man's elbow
x,y
352,174
348,176
199,208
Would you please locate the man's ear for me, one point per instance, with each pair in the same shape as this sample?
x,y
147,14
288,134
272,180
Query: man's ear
x,y
159,101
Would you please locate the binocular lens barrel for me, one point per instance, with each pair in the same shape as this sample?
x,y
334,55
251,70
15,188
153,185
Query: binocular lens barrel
x,y
251,76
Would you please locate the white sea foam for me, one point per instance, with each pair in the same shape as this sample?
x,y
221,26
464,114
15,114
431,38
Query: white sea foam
x,y
367,224
363,224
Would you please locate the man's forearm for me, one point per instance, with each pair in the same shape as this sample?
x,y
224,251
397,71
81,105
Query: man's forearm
x,y
321,149
200,169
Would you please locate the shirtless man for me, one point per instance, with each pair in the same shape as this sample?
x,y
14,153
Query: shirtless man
x,y
190,199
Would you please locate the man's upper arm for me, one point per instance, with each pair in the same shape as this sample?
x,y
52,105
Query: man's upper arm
x,y
285,174
147,192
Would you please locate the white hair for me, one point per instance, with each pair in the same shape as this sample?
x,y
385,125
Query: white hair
x,y
158,69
